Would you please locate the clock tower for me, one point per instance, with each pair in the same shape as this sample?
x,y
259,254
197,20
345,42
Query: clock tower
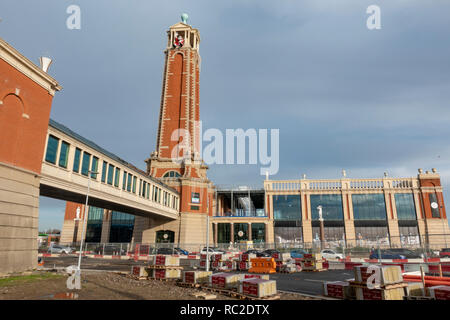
x,y
177,159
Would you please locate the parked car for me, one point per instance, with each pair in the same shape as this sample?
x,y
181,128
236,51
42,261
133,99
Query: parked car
x,y
166,251
212,250
385,254
298,253
252,251
110,249
59,249
444,253
267,253
331,254
409,254
182,251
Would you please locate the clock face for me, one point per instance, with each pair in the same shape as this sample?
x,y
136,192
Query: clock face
x,y
434,205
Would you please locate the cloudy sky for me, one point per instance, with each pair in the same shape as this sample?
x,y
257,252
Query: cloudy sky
x,y
342,96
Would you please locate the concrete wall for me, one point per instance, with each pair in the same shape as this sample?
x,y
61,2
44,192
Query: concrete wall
x,y
19,212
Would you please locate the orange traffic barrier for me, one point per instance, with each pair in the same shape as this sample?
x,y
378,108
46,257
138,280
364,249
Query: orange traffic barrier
x,y
263,265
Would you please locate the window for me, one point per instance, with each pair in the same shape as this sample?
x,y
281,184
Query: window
x,y
369,206
117,177
331,206
144,184
94,167
404,203
223,233
129,182
85,163
171,174
122,225
371,233
104,169
64,154
110,174
148,190
76,160
134,184
258,232
124,180
287,207
52,149
140,187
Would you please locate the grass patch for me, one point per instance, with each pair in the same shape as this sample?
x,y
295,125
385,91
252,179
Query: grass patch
x,y
15,280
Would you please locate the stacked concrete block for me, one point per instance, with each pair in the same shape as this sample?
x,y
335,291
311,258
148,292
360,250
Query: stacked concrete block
x,y
225,280
312,262
259,288
139,271
440,292
336,289
414,289
166,260
196,276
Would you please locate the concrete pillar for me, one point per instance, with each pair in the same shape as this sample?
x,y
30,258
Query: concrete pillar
x,y
232,232
215,233
106,226
249,231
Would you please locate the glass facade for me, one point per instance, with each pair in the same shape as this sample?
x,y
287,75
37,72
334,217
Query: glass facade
x,y
369,206
223,233
52,149
288,234
371,233
76,160
331,206
404,203
85,163
64,154
122,225
94,225
331,233
258,232
287,207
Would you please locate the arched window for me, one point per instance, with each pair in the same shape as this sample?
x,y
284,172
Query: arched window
x,y
172,174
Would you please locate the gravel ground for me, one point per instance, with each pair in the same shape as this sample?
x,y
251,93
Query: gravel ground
x,y
102,286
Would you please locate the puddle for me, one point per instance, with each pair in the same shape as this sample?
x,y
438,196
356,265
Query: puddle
x,y
62,296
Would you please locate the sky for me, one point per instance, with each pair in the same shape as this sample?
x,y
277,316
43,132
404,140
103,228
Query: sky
x,y
341,95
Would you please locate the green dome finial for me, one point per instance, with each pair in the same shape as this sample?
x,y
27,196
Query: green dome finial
x,y
184,17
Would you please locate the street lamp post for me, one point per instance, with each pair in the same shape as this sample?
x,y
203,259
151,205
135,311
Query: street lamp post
x,y
84,220
322,233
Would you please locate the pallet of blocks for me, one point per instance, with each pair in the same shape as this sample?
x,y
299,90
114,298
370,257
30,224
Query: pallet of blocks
x,y
414,289
245,257
225,280
166,260
337,289
439,292
243,265
166,273
312,262
139,271
258,288
390,285
196,276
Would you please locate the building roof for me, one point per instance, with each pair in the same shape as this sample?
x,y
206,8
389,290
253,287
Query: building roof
x,y
62,128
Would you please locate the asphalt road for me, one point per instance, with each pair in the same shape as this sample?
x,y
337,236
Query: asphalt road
x,y
302,282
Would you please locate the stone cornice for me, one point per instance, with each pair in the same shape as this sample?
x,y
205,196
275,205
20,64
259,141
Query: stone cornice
x,y
28,68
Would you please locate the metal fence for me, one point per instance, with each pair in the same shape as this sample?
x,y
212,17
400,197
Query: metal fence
x,y
429,246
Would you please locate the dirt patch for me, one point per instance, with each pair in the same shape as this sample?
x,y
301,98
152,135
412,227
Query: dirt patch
x,y
101,286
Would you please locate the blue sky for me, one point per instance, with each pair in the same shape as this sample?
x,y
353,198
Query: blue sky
x,y
342,96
